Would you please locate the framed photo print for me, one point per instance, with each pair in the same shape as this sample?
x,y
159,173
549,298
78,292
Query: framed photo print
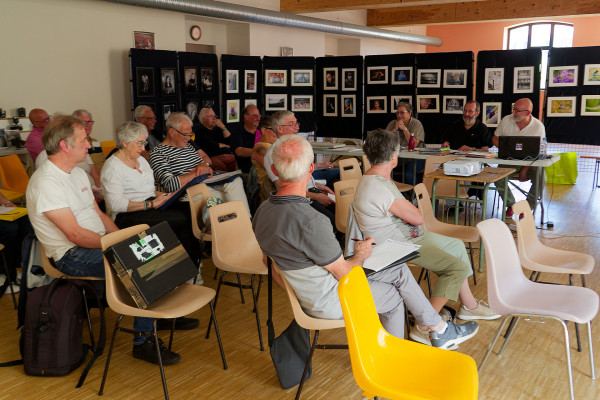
x,y
167,81
563,76
591,75
348,105
402,75
275,77
377,75
493,80
275,102
349,76
455,78
396,100
167,109
330,105
192,108
590,105
232,78
561,106
302,77
208,103
428,103
523,80
190,79
207,76
491,113
330,78
232,110
144,77
428,78
376,104
250,102
302,103
250,81
143,40
454,104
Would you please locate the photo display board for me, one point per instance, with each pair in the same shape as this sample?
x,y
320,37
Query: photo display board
x,y
199,83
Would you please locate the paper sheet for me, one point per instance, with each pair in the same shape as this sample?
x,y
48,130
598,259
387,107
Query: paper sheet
x,y
388,252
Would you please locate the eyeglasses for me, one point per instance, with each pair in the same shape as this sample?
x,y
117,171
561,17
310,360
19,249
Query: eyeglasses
x,y
43,120
189,134
89,122
292,124
402,112
518,111
141,143
257,116
151,118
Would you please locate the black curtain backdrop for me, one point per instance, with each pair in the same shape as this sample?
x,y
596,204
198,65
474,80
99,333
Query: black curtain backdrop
x,y
580,129
199,83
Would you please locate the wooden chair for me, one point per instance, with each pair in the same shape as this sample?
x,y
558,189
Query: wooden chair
x,y
444,187
349,169
197,196
344,196
402,187
13,176
181,301
107,146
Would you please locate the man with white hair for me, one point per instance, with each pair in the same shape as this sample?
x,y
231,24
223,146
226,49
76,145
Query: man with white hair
x,y
95,151
145,116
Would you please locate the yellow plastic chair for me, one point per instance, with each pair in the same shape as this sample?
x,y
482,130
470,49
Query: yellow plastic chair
x,y
394,368
344,196
402,187
13,176
349,169
107,146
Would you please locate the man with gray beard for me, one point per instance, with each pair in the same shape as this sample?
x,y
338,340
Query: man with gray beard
x,y
469,134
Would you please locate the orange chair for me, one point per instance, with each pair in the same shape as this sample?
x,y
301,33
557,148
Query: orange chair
x,y
13,175
108,146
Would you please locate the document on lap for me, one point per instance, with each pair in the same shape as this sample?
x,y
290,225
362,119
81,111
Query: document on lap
x,y
389,253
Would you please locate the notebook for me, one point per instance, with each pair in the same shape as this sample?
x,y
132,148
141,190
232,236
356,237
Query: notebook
x,y
519,147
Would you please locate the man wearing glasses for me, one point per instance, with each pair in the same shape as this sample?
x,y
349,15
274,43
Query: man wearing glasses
x,y
469,133
244,138
407,126
145,116
39,119
521,123
211,138
95,151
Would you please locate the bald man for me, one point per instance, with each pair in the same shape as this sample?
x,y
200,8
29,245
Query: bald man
x,y
39,119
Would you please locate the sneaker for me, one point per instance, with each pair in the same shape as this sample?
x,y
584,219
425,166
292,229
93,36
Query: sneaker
x,y
419,336
482,311
509,212
181,324
454,335
147,352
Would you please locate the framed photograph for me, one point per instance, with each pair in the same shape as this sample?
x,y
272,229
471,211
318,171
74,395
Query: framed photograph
x,y
143,40
192,108
402,75
275,102
208,103
376,104
207,76
523,80
330,105
287,51
395,100
275,77
377,75
167,109
302,77
348,105
330,81
232,78
428,78
453,104
491,113
493,81
302,103
349,75
561,106
144,77
455,78
428,103
232,110
563,76
250,102
591,74
590,105
190,79
250,81
167,81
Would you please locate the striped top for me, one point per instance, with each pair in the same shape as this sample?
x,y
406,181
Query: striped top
x,y
169,162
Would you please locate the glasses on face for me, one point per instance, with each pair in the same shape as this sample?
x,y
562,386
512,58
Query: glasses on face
x,y
189,134
141,143
211,117
150,118
515,109
470,111
43,120
402,112
293,124
257,116
89,122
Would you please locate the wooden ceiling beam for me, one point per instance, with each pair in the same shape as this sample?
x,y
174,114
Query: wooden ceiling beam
x,y
310,6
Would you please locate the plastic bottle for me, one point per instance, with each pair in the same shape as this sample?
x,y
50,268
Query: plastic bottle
x,y
543,149
411,142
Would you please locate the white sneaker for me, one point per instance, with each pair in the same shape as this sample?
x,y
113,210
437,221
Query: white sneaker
x,y
419,336
482,311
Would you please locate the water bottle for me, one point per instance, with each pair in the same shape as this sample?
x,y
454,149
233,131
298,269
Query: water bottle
x,y
543,149
411,142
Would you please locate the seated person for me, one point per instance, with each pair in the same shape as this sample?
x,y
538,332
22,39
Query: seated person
x,y
212,141
383,213
302,243
145,116
243,138
468,134
12,234
39,119
267,138
176,162
406,126
95,151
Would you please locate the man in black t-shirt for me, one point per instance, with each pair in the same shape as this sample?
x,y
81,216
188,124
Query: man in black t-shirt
x,y
213,138
468,134
243,138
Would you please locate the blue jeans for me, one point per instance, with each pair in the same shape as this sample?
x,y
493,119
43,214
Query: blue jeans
x,y
81,261
409,177
331,175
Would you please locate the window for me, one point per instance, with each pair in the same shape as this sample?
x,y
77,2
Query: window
x,y
544,35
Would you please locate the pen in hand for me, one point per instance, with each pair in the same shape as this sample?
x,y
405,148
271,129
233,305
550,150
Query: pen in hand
x,y
358,240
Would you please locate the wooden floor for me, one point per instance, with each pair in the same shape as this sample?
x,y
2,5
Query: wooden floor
x,y
532,367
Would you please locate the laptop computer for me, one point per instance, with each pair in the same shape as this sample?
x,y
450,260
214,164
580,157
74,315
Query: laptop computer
x,y
519,147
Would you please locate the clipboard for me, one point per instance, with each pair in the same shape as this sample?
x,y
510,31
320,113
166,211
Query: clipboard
x,y
405,259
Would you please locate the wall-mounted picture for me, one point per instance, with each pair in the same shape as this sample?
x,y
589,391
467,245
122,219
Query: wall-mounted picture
x,y
590,105
143,40
209,103
493,81
275,77
232,109
523,80
429,78
563,76
428,103
190,79
250,102
207,78
302,103
395,100
377,75
330,105
144,77
167,81
250,81
561,106
232,80
192,109
348,105
491,113
302,77
376,104
275,102
287,51
591,74
402,75
167,109
453,104
455,78
330,78
349,76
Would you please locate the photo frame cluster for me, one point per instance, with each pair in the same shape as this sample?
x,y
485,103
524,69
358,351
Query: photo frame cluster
x,y
297,78
523,80
344,80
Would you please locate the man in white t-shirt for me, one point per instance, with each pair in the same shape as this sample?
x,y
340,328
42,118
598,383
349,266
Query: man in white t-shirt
x,y
521,123
67,220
